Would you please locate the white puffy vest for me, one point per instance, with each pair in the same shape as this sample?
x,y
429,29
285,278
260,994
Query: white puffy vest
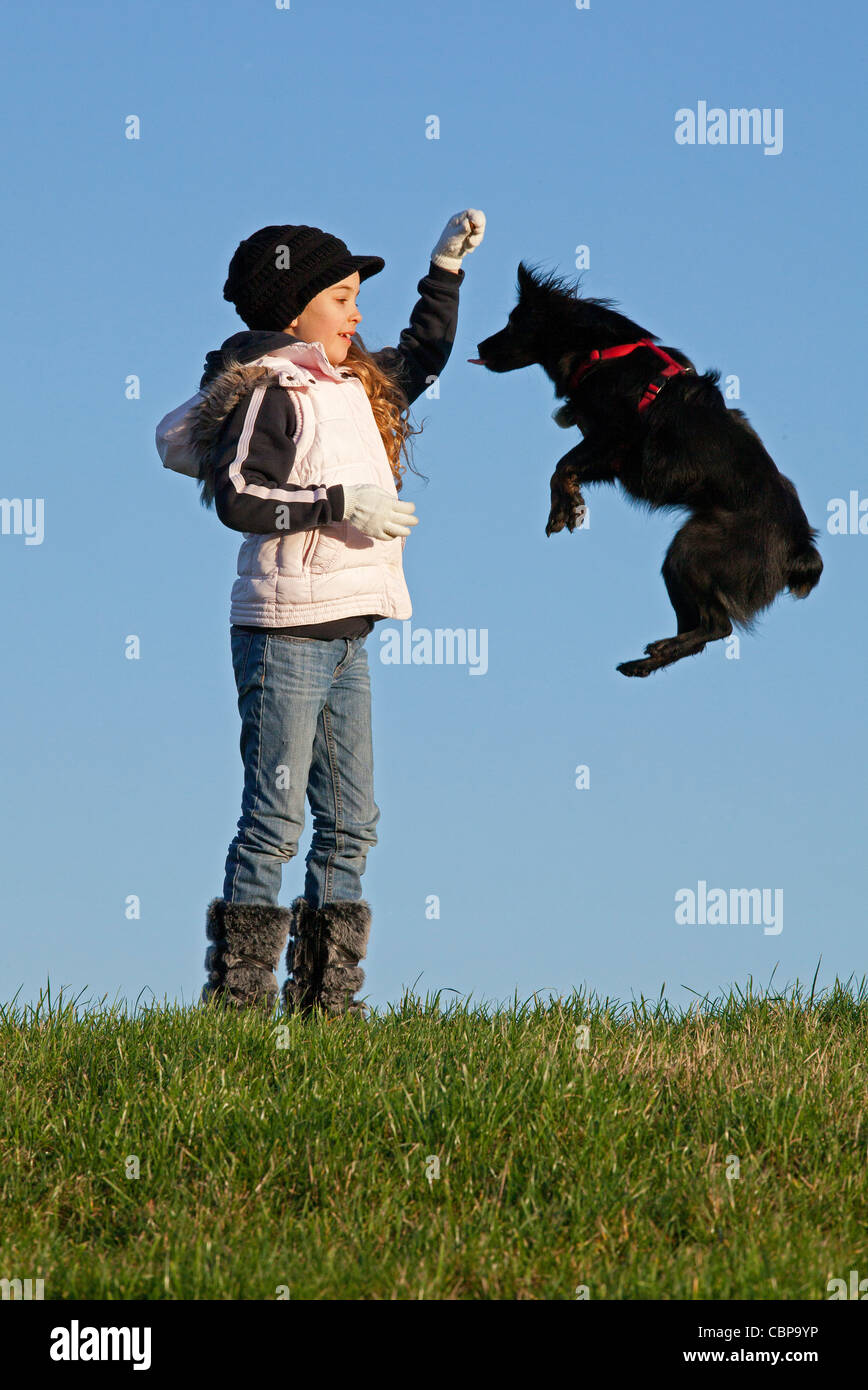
x,y
333,571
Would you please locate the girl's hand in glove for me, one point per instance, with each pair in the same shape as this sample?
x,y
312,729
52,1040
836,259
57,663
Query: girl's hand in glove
x,y
461,235
376,513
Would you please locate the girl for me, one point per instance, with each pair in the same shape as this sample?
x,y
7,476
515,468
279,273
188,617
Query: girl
x,y
295,435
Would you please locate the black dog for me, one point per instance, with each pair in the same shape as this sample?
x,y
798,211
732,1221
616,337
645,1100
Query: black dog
x,y
747,538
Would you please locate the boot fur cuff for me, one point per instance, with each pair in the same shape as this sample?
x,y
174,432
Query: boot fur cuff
x,y
257,931
346,925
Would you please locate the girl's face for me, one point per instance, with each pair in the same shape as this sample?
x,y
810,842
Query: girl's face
x,y
330,318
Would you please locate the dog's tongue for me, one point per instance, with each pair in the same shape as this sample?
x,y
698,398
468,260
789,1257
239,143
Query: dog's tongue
x,y
477,361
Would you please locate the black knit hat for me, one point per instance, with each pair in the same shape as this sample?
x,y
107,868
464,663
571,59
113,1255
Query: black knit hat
x,y
278,270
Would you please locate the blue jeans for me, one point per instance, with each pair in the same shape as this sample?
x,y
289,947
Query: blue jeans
x,y
305,707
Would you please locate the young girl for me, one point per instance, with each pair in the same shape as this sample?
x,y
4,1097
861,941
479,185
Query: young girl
x,y
295,436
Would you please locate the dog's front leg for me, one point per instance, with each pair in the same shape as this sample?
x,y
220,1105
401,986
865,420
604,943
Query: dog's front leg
x,y
568,504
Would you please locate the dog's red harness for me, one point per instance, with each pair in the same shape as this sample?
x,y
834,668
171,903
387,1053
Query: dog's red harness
x,y
672,368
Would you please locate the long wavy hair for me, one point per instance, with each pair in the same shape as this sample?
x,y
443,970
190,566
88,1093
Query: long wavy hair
x,y
390,407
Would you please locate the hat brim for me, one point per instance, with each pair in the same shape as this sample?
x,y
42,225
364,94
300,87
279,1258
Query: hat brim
x,y
367,265
338,271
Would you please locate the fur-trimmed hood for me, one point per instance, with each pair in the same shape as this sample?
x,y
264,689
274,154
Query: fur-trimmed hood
x,y
220,398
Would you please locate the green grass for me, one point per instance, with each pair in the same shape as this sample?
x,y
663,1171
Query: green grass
x,y
304,1166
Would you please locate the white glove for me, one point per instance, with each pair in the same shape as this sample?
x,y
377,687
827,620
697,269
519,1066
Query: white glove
x,y
376,513
461,235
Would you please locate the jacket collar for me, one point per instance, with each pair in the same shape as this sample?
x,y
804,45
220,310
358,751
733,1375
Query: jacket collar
x,y
252,344
309,355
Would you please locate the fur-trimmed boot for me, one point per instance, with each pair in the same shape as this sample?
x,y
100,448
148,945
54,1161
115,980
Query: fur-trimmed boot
x,y
323,956
248,939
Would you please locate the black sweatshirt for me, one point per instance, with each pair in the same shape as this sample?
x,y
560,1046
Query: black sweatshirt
x,y
422,353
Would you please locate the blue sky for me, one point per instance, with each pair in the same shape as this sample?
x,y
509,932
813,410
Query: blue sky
x,y
123,777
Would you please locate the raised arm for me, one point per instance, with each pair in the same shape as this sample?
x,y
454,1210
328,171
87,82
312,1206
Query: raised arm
x,y
425,345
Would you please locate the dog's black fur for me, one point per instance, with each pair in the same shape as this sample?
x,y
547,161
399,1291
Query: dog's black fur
x,y
747,537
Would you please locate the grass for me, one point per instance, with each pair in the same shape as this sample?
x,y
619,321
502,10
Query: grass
x,y
310,1170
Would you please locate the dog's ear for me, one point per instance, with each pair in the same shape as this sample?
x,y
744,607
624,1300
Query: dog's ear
x,y
526,281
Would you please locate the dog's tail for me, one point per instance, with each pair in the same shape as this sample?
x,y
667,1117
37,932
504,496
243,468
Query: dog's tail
x,y
805,569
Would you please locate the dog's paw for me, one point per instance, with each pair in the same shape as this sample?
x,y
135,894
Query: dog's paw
x,y
636,668
570,513
667,646
567,503
672,648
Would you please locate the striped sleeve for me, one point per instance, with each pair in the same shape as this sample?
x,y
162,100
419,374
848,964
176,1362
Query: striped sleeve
x,y
253,460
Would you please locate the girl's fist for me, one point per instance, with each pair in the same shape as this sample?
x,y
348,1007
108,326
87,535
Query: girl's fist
x,y
461,235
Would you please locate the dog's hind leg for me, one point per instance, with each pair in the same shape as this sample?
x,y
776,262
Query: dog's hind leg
x,y
671,649
699,622
681,597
